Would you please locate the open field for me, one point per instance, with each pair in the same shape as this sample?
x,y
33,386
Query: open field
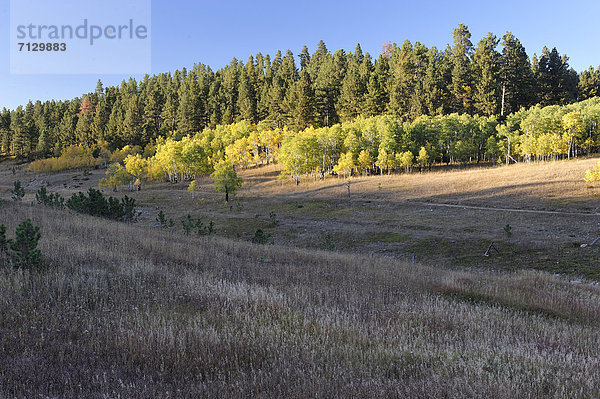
x,y
403,304
447,218
131,312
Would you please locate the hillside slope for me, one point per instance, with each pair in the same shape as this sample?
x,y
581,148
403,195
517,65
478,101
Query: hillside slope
x,y
123,310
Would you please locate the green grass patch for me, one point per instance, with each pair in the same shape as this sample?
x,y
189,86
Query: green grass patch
x,y
388,237
316,209
240,227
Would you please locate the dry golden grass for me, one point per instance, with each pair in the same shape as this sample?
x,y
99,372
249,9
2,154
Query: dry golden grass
x,y
529,184
534,185
127,311
549,185
401,216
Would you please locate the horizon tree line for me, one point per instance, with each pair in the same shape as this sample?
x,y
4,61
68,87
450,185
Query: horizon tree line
x,y
316,90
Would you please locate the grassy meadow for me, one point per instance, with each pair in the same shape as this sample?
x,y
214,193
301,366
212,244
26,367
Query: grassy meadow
x,y
385,294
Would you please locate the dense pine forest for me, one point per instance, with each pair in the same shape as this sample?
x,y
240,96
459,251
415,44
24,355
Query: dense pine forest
x,y
331,112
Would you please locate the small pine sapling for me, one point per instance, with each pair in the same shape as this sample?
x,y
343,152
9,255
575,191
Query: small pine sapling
x,y
161,219
187,223
18,192
41,196
328,243
3,241
260,237
26,254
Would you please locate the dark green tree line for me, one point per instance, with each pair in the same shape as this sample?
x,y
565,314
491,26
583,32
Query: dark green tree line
x,y
495,77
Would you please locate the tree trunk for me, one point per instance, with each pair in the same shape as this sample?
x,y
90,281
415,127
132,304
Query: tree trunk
x,y
503,94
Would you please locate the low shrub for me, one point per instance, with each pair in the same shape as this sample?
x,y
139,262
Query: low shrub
x,y
260,237
95,204
49,199
190,224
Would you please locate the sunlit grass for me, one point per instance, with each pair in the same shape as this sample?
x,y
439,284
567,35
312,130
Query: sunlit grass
x,y
525,184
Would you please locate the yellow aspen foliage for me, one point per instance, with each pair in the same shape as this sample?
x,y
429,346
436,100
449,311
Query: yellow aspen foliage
x,y
72,157
136,165
116,176
192,187
345,164
423,157
364,161
405,160
593,175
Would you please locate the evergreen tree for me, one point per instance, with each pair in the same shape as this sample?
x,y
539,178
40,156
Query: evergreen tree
x,y
264,79
18,191
328,71
83,128
247,92
151,120
262,106
214,104
304,58
353,89
288,70
376,98
68,123
436,82
417,105
54,116
229,89
24,245
516,77
5,132
20,138
205,77
301,101
44,145
168,115
100,119
114,126
39,119
400,82
277,111
276,64
556,83
462,81
30,128
188,120
589,83
408,81
85,106
487,72
132,122
99,88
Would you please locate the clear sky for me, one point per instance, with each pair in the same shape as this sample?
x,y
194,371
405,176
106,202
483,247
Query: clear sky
x,y
185,32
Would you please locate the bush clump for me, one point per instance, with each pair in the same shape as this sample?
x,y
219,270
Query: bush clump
x,y
190,224
95,204
260,237
49,199
162,220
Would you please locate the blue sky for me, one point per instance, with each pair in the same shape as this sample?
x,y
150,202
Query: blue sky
x,y
186,32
